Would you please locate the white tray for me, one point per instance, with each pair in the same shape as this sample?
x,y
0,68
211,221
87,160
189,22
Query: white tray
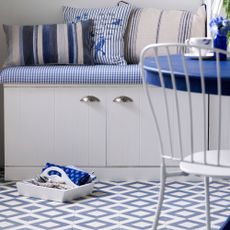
x,y
25,188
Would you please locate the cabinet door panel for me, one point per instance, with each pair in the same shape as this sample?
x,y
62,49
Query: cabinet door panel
x,y
71,127
97,128
198,122
150,147
225,122
12,125
123,128
80,127
149,142
29,139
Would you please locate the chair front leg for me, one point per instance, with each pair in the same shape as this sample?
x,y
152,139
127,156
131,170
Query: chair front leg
x,y
207,203
161,196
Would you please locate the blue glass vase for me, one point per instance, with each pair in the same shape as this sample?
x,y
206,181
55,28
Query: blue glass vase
x,y
220,42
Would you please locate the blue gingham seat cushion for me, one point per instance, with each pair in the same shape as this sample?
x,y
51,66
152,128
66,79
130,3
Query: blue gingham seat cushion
x,y
67,74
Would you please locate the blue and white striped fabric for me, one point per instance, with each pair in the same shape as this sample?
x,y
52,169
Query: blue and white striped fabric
x,y
152,25
49,44
108,30
101,74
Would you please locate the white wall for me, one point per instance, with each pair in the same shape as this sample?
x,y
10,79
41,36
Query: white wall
x,y
49,11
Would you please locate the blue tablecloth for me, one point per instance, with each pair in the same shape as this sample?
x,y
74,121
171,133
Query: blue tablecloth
x,y
210,74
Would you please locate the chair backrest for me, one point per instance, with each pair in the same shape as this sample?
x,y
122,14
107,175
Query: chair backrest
x,y
185,82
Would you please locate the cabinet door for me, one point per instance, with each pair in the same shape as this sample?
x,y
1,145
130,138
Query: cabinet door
x,y
150,148
97,127
149,142
79,127
123,127
28,126
225,122
198,122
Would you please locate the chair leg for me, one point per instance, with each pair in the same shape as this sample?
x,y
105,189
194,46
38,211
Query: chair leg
x,y
161,197
207,203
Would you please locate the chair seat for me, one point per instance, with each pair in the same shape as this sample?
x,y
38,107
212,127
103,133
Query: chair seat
x,y
199,168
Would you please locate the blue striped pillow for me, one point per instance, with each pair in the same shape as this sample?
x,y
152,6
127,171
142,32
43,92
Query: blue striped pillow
x,y
49,44
108,30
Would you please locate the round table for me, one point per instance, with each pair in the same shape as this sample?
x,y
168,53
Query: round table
x,y
209,70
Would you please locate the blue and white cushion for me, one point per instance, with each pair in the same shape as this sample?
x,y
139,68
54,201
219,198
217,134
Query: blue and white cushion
x,y
49,44
108,30
69,74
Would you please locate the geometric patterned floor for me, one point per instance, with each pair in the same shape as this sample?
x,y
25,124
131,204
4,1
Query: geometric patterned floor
x,y
119,205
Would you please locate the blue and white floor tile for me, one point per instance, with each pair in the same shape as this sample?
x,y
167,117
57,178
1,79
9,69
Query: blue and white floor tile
x,y
116,206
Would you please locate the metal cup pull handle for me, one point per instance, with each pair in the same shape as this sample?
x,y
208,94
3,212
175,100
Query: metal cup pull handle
x,y
89,99
122,99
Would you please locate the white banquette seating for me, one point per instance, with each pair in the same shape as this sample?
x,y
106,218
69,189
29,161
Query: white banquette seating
x,y
113,136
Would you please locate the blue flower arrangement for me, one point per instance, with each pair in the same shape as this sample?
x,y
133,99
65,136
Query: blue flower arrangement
x,y
220,26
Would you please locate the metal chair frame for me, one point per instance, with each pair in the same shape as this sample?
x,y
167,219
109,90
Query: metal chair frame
x,y
155,48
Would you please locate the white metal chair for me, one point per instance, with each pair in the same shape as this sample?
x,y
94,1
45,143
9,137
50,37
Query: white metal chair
x,y
206,160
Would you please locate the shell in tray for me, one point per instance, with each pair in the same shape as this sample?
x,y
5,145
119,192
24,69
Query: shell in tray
x,y
26,188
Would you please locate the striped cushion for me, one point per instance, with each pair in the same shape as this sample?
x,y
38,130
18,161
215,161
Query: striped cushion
x,y
49,44
108,30
150,25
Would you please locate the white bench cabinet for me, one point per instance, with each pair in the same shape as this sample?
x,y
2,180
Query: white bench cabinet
x,y
117,140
